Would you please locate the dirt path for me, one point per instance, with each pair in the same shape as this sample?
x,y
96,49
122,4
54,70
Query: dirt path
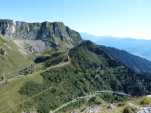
x,y
87,97
41,71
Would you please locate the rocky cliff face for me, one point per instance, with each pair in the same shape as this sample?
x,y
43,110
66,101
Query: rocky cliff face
x,y
54,34
7,27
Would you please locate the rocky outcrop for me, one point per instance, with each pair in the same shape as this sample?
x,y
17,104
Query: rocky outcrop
x,y
145,110
54,34
7,27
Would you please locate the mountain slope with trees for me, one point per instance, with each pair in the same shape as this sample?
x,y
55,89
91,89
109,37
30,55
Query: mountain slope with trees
x,y
65,67
91,69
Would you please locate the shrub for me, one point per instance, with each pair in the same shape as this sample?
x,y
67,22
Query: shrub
x,y
31,88
146,101
130,109
95,100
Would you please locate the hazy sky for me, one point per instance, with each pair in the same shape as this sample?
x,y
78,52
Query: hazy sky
x,y
124,18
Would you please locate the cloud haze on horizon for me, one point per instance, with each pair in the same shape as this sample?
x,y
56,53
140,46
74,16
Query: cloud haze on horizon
x,y
119,18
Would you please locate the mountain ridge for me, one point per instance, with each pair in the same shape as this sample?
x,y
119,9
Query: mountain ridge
x,y
139,47
90,70
74,68
136,63
53,34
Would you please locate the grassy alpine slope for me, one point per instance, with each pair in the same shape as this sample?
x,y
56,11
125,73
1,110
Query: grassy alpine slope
x,y
90,70
11,101
11,59
61,73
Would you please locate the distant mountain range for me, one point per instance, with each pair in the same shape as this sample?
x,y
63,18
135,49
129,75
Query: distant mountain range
x,y
137,47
